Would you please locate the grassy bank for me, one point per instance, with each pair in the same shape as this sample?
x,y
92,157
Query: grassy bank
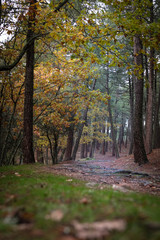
x,y
37,205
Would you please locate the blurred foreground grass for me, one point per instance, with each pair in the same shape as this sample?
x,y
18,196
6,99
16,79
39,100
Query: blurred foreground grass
x,y
38,205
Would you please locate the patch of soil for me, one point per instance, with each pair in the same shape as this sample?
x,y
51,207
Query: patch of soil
x,y
121,174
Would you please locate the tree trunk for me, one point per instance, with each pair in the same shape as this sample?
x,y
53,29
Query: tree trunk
x,y
55,150
140,156
93,143
53,147
113,134
28,153
39,154
131,97
149,112
104,142
46,157
146,77
156,135
83,150
62,154
86,150
92,149
126,140
15,147
68,151
80,130
1,118
50,144
107,143
121,134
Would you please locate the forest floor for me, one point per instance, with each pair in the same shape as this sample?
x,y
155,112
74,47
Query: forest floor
x,y
81,200
121,174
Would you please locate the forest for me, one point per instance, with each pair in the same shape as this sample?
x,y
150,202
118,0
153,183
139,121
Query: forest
x,y
78,76
79,119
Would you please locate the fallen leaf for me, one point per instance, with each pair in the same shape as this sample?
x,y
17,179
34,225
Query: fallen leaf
x,y
17,174
19,216
56,215
10,198
24,226
85,200
97,230
69,180
121,188
3,176
91,184
37,233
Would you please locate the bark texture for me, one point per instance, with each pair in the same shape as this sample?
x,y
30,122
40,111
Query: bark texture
x,y
149,113
80,130
140,156
28,153
103,151
113,133
156,133
68,152
131,97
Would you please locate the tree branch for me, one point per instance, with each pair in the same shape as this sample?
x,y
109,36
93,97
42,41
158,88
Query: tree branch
x,y
4,67
61,5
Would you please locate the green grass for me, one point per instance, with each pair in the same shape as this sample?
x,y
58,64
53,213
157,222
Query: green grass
x,y
39,193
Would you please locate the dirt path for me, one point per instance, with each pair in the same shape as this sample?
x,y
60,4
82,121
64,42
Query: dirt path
x,y
121,174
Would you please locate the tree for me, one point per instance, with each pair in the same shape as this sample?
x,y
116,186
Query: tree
x,y
132,20
115,147
151,93
70,139
11,111
13,21
71,52
156,132
131,120
28,154
80,128
140,156
30,41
